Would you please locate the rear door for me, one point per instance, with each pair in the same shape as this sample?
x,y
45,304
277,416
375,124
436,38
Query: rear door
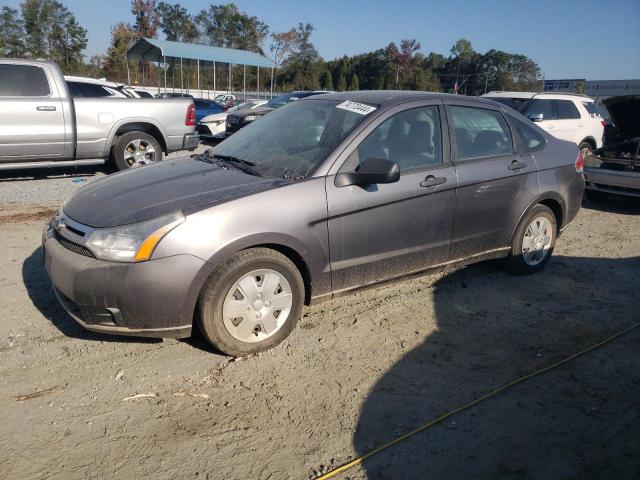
x,y
381,231
495,184
32,123
567,124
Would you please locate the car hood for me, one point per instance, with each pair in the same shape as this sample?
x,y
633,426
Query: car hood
x,y
625,113
254,111
184,184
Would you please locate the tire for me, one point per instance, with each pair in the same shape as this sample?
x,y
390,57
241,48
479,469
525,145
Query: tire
x,y
127,155
241,286
586,148
523,263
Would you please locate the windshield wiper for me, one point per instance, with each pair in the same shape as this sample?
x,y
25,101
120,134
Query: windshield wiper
x,y
225,160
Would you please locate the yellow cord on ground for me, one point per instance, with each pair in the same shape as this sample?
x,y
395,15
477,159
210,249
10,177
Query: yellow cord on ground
x,y
359,460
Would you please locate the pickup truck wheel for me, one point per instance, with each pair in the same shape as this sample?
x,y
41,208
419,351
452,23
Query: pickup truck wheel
x,y
533,242
135,149
251,302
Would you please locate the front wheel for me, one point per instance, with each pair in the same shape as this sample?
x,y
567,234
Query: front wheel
x,y
533,241
251,302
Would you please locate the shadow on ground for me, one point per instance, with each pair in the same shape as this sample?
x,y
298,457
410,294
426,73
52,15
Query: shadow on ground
x,y
55,172
614,204
41,295
580,421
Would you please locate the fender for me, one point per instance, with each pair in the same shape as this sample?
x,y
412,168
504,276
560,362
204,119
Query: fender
x,y
539,199
125,121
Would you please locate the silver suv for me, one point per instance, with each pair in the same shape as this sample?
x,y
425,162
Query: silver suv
x,y
320,197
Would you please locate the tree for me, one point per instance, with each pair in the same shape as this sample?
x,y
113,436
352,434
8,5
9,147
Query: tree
x,y
462,52
176,23
406,57
115,65
342,84
327,81
147,18
283,44
392,57
355,85
51,31
11,33
226,26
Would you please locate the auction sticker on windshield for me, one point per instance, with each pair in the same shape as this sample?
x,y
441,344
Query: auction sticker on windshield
x,y
356,107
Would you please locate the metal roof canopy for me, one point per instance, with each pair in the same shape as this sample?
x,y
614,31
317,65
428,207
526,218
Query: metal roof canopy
x,y
153,50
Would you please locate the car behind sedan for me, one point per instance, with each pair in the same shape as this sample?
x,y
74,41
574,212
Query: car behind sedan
x,y
323,196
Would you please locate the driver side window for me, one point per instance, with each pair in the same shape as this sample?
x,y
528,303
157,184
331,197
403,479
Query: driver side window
x,y
410,138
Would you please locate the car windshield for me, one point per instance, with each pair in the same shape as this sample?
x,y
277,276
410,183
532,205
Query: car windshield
x,y
242,106
292,141
284,99
514,103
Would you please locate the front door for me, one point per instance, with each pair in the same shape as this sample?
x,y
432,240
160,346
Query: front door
x,y
387,230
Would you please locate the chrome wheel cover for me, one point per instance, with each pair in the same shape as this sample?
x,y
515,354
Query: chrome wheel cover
x,y
257,305
139,152
537,241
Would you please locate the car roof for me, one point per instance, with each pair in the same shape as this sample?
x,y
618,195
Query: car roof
x,y
507,94
393,97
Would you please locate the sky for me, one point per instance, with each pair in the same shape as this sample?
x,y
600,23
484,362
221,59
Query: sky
x,y
596,40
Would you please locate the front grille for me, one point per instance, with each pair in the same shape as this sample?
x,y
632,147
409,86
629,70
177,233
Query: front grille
x,y
74,247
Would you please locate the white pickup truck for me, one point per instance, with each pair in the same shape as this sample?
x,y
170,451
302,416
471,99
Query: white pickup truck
x,y
42,125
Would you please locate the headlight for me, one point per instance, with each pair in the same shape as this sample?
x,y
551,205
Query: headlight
x,y
251,118
132,243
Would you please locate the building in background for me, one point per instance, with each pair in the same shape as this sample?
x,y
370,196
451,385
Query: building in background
x,y
597,89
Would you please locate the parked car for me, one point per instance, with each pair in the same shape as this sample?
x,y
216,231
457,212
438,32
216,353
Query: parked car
x,y
206,107
42,125
96,88
237,120
615,168
568,116
323,196
214,125
173,95
143,94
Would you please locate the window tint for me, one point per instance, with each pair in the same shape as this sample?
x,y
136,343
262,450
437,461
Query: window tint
x,y
480,133
566,110
79,89
23,81
411,138
527,138
539,106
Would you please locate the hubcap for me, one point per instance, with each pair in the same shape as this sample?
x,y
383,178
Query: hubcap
x,y
139,152
257,305
537,241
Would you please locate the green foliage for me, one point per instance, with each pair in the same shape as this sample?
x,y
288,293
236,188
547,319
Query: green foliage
x,y
327,81
147,18
355,85
11,34
226,26
52,32
176,23
342,83
115,65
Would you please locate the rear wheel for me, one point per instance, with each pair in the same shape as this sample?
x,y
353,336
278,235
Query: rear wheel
x,y
533,242
136,149
251,302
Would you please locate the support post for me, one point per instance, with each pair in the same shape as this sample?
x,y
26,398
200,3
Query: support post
x,y
181,79
258,81
199,91
128,74
229,86
272,68
244,83
164,67
214,81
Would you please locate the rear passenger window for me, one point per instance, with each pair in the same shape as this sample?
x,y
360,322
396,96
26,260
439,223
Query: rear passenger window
x,y
537,106
480,133
411,138
23,81
566,110
528,140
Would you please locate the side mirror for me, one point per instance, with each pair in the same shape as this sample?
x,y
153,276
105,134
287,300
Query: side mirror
x,y
373,170
536,117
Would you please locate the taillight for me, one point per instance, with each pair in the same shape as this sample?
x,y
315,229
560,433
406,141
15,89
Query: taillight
x,y
579,163
190,119
604,123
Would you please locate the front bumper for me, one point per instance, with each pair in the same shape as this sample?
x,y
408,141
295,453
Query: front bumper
x,y
612,181
155,298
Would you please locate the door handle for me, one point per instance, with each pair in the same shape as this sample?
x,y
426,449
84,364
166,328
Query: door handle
x,y
46,108
432,181
516,165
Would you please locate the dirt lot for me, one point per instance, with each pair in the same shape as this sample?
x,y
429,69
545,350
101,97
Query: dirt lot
x,y
356,372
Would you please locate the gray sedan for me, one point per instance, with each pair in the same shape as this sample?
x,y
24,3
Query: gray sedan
x,y
321,197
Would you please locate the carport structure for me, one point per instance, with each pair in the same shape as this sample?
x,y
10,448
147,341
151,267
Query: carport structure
x,y
164,51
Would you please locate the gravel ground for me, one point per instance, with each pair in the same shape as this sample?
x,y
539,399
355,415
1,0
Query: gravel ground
x,y
356,372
